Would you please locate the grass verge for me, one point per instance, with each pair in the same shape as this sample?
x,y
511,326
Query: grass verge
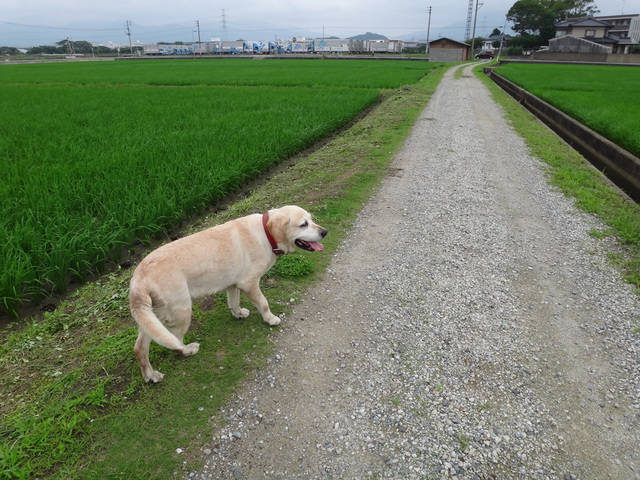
x,y
576,178
72,400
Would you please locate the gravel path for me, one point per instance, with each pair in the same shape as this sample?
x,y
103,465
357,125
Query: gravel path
x,y
469,327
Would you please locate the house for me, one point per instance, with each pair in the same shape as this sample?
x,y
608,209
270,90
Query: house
x,y
625,26
591,31
488,43
447,50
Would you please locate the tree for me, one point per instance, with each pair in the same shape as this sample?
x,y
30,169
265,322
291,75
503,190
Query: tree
x,y
539,17
48,49
573,8
531,16
82,46
477,41
526,42
62,48
4,50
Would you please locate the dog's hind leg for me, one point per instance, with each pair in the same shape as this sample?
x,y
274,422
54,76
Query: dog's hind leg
x,y
169,336
178,321
178,324
141,350
233,300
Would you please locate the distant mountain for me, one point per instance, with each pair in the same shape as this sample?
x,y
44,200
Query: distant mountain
x,y
369,36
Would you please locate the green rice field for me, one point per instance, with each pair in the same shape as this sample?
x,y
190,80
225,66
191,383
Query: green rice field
x,y
606,98
97,156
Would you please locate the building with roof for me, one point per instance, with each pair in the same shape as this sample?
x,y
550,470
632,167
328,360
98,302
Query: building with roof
x,y
625,26
492,42
591,31
447,50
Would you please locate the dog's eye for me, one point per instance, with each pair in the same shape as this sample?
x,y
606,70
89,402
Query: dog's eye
x,y
304,224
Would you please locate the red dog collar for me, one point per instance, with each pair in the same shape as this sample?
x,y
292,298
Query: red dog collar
x,y
272,241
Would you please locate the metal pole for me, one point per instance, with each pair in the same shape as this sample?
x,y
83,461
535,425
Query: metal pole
x,y
129,33
199,44
475,18
502,39
426,49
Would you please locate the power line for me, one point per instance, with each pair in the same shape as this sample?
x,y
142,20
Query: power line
x,y
62,28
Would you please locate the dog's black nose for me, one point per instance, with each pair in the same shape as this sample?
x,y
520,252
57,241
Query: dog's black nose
x,y
323,233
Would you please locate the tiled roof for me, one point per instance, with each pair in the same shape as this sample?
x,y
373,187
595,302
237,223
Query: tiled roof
x,y
583,22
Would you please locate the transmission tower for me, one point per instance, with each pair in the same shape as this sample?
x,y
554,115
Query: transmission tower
x,y
224,26
467,32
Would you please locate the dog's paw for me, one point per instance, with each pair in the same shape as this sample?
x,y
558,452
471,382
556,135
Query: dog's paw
x,y
241,313
191,349
272,320
154,376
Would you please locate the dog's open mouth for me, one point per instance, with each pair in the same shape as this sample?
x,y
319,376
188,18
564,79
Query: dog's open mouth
x,y
309,246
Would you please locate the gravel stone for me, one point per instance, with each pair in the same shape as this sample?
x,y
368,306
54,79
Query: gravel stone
x,y
469,327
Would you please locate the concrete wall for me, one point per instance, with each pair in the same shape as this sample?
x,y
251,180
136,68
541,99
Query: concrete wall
x,y
446,55
586,57
571,44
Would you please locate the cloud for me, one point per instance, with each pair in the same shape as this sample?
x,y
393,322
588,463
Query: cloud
x,y
41,22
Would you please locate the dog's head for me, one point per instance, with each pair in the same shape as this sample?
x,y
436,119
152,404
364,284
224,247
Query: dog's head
x,y
293,227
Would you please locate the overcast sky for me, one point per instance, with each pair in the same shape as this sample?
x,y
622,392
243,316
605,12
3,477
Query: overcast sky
x,y
25,23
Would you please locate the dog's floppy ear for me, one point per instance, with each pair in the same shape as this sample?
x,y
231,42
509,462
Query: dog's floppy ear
x,y
276,226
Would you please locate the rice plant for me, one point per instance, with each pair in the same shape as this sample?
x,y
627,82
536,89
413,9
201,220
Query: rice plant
x,y
603,97
99,156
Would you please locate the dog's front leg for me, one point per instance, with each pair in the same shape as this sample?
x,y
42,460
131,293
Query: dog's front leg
x,y
233,300
253,292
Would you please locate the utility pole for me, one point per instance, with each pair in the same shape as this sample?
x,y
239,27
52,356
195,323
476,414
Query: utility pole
x,y
199,44
501,39
129,33
475,18
426,48
70,52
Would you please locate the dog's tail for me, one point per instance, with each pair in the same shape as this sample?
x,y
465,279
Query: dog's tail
x,y
141,305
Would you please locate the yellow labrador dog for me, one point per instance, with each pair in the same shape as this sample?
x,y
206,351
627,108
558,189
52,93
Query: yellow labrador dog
x,y
232,257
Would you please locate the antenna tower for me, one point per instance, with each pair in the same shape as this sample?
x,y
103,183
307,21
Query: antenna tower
x,y
467,32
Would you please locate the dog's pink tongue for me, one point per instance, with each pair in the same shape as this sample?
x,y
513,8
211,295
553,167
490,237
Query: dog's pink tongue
x,y
316,246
